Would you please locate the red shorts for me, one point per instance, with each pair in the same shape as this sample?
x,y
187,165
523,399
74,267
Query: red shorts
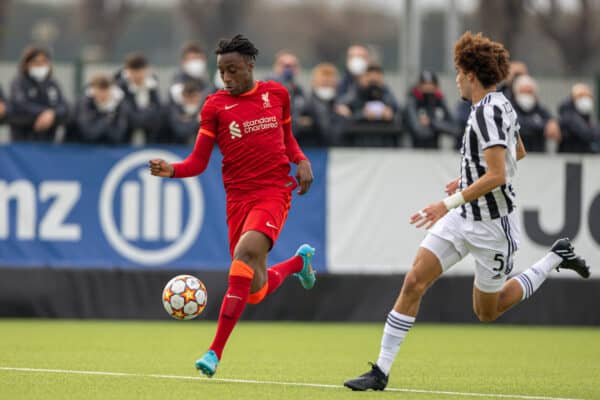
x,y
266,214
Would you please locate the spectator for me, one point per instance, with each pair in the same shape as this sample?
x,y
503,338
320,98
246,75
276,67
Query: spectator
x,y
427,115
36,102
102,116
371,100
579,132
183,118
141,94
192,69
516,69
357,61
286,70
3,107
320,123
537,125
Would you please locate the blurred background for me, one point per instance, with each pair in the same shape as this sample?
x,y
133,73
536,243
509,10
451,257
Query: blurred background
x,y
90,90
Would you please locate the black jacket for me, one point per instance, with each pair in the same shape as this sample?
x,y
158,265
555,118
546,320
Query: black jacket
x,y
181,78
28,99
435,107
346,84
100,127
532,125
579,135
358,97
180,127
325,126
148,119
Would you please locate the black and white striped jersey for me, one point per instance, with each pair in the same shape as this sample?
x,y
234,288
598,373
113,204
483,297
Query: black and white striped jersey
x,y
492,122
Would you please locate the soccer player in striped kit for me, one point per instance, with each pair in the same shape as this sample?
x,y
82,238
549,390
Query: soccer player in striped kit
x,y
478,216
250,122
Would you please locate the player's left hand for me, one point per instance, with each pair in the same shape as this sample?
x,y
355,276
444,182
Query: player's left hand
x,y
429,215
304,176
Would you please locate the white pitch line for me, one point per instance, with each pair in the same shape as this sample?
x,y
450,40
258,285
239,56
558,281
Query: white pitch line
x,y
256,382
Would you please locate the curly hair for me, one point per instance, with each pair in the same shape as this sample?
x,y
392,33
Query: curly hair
x,y
237,44
487,59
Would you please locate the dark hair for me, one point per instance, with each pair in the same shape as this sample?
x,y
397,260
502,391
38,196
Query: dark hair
x,y
100,81
190,88
478,54
375,68
237,44
29,54
136,61
191,47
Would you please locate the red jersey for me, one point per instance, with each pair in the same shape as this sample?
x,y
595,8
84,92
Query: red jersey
x,y
253,132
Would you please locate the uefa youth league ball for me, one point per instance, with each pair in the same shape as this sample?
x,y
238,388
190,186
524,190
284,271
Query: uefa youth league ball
x,y
184,297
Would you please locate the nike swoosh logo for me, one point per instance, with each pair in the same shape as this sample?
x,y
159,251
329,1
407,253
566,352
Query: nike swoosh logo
x,y
230,106
229,296
270,225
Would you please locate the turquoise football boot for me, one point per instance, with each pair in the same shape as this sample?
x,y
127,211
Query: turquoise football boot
x,y
208,363
307,274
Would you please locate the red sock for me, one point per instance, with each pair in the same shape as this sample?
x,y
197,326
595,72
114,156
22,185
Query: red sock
x,y
233,304
278,272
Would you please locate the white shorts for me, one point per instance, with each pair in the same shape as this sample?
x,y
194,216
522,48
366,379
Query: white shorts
x,y
492,244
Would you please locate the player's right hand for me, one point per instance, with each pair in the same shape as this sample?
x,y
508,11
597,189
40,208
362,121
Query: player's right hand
x,y
160,167
452,186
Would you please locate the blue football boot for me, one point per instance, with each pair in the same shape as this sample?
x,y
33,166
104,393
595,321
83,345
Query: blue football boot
x,y
307,274
208,363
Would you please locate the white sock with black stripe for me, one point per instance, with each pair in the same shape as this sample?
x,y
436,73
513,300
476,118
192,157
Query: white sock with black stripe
x,y
531,279
396,328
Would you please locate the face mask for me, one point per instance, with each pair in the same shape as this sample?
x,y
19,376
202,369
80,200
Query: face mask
x,y
584,105
190,109
357,65
39,73
325,93
108,106
373,92
195,68
525,101
287,75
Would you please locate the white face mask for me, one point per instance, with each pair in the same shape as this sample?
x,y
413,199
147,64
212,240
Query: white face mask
x,y
584,105
108,106
195,68
190,109
526,101
325,93
357,65
39,73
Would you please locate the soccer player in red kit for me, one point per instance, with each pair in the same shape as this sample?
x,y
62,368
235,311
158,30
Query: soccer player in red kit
x,y
250,121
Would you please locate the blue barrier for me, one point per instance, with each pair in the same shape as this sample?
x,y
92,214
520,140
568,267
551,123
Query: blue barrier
x,y
85,206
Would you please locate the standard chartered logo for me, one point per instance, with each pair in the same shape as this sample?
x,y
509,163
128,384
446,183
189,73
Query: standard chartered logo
x,y
150,210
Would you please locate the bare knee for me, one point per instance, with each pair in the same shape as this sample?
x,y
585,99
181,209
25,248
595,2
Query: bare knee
x,y
413,286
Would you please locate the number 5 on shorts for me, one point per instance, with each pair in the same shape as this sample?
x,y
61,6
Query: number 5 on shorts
x,y
500,258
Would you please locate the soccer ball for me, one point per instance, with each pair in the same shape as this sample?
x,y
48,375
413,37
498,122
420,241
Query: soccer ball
x,y
184,297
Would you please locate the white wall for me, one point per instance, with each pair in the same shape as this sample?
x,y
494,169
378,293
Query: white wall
x,y
372,193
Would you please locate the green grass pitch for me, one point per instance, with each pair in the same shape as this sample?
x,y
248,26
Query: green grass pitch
x,y
539,362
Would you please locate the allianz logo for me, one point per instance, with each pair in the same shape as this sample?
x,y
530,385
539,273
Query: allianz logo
x,y
134,209
151,210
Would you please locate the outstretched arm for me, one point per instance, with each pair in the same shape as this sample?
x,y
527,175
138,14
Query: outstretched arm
x,y
193,165
494,176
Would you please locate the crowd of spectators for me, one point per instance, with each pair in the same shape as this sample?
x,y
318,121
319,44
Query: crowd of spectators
x,y
353,107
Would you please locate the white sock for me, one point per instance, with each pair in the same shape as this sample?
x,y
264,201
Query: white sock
x,y
531,279
396,328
